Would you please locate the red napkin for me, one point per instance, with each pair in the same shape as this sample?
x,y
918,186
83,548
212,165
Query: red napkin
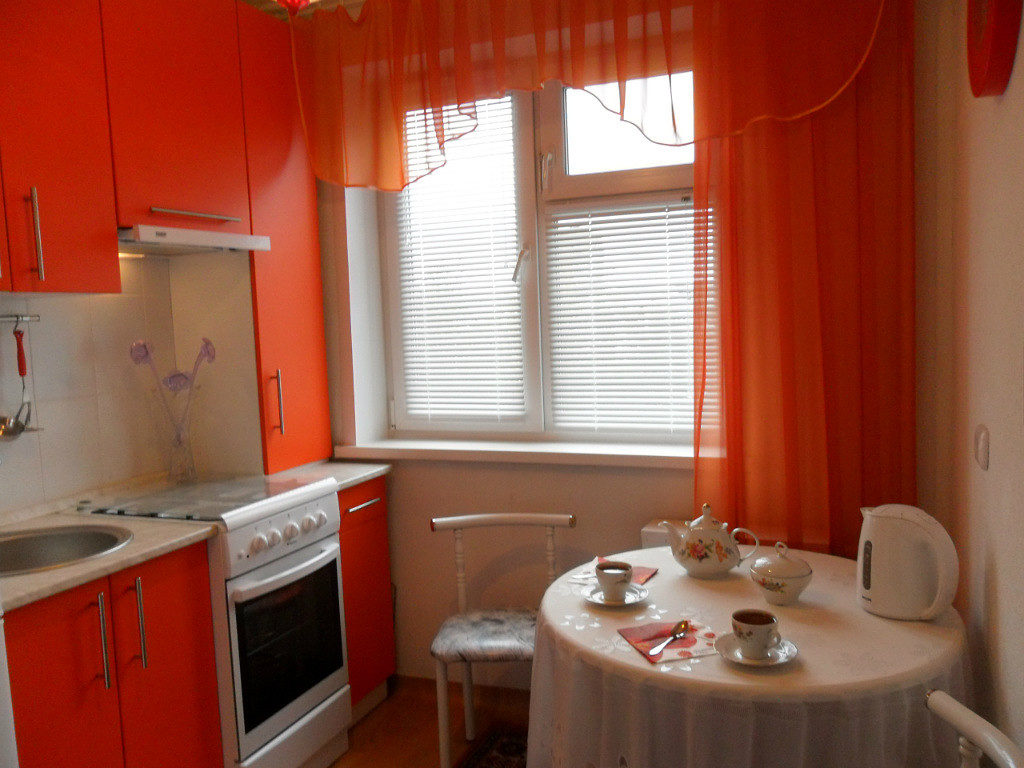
x,y
698,640
641,574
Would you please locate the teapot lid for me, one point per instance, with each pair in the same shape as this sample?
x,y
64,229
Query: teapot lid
x,y
780,564
705,520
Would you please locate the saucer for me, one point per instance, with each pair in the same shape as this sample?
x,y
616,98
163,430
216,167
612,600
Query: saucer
x,y
635,593
729,649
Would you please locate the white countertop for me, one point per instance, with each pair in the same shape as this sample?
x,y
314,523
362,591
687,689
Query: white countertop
x,y
347,473
150,539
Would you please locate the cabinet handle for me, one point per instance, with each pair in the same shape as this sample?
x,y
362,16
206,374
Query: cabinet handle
x,y
101,599
193,214
280,400
38,227
364,505
142,621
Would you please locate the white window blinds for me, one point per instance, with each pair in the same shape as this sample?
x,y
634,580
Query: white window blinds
x,y
620,279
462,351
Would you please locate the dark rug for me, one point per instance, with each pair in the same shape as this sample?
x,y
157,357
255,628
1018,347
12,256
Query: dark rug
x,y
501,747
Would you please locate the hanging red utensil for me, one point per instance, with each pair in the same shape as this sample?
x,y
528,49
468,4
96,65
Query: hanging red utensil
x,y
11,427
19,339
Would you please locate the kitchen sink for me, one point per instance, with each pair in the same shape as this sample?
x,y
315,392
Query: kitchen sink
x,y
40,549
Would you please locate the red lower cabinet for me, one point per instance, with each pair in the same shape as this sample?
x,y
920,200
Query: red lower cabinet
x,y
159,707
163,639
366,580
66,708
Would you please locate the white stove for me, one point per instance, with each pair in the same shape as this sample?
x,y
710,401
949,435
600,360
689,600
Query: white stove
x,y
275,581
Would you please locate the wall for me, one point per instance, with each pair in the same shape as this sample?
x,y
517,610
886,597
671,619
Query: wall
x,y
971,336
507,567
212,297
100,422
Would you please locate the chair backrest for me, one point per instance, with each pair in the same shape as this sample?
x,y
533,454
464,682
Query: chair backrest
x,y
457,523
977,735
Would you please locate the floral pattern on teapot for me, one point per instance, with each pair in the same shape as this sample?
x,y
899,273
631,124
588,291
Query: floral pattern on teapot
x,y
705,547
698,550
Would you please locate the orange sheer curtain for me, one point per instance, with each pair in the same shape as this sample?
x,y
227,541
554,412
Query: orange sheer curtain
x,y
804,167
358,77
813,220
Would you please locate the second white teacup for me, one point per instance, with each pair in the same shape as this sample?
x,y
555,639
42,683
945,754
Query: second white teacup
x,y
756,631
614,576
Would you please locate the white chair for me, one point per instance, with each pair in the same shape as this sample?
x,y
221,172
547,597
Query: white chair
x,y
977,736
488,635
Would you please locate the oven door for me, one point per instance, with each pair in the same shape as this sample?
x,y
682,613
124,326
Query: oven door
x,y
287,641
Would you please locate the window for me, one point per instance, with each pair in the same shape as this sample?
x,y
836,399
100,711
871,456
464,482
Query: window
x,y
546,293
460,327
589,131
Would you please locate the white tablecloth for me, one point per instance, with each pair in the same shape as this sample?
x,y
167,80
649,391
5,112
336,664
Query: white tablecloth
x,y
853,698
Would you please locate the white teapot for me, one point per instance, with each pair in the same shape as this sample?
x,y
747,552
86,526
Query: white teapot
x,y
705,547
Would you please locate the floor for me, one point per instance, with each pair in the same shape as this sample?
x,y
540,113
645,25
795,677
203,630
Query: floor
x,y
402,731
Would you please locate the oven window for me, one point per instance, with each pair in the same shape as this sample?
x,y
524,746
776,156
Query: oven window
x,y
288,641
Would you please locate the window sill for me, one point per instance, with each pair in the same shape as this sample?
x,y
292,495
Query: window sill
x,y
576,454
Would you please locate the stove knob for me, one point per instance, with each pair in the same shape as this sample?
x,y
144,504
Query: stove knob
x,y
308,523
291,531
273,537
258,544
321,518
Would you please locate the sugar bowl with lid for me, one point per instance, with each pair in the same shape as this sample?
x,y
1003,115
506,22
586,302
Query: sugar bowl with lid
x,y
781,576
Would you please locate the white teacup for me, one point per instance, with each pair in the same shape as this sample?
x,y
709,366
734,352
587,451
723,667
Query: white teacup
x,y
756,631
614,577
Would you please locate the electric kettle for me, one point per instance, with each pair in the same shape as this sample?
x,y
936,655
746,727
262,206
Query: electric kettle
x,y
907,566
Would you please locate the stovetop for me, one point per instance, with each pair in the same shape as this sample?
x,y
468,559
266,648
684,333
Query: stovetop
x,y
214,501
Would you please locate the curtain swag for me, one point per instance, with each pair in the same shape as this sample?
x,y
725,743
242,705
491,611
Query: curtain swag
x,y
804,170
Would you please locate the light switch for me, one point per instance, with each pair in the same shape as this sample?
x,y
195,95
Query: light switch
x,y
981,443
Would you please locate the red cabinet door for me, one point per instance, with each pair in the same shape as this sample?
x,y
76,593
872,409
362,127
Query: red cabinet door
x,y
286,283
58,185
65,713
176,113
366,581
169,693
5,262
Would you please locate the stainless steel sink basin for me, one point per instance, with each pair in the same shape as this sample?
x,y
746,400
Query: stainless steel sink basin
x,y
44,548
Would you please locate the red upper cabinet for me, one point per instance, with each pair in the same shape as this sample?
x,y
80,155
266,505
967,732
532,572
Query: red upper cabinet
x,y
286,281
176,113
5,262
366,582
55,150
163,630
66,707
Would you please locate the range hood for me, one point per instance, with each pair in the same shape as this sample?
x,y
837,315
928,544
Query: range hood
x,y
176,241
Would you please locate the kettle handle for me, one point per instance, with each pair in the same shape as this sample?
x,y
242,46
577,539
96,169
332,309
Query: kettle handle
x,y
949,570
751,534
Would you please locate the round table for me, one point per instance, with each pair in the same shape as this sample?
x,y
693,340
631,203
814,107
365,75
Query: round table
x,y
853,698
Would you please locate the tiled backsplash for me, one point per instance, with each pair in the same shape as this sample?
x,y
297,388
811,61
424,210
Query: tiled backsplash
x,y
98,412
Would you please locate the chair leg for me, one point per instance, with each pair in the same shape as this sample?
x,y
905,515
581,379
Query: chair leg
x,y
443,742
467,700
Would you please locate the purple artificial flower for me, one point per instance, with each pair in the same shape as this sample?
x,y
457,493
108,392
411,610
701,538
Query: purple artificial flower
x,y
176,381
141,353
207,350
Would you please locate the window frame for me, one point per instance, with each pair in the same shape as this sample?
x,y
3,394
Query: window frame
x,y
553,179
681,437
400,422
539,133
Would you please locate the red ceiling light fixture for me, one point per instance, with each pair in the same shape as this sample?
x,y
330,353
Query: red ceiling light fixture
x,y
293,6
992,30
